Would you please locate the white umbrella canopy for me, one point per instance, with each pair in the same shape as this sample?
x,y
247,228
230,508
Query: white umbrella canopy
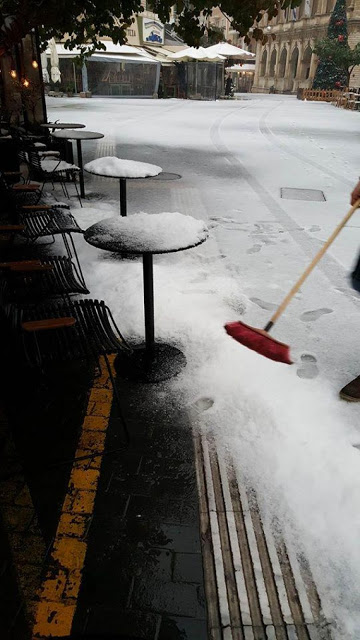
x,y
54,61
45,73
191,53
229,51
238,67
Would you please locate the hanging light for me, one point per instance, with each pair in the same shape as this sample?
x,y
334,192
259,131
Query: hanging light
x,y
34,63
13,73
26,83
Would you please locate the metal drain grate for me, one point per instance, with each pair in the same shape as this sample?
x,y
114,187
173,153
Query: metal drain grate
x,y
302,194
257,587
167,176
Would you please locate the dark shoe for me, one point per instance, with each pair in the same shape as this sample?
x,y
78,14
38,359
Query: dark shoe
x,y
351,392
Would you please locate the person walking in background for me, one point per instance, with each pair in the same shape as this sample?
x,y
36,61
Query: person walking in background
x,y
229,89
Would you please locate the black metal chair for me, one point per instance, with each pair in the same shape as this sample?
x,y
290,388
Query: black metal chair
x,y
22,191
30,281
40,221
51,170
65,331
26,141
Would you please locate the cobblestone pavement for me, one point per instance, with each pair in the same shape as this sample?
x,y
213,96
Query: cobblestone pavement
x,y
109,544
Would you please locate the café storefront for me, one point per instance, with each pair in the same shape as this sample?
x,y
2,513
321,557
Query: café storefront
x,y
120,71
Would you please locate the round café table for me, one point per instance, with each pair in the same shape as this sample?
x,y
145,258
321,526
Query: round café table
x,y
62,125
69,134
113,167
148,234
68,150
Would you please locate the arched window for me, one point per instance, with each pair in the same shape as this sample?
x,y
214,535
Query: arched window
x,y
272,63
282,63
294,62
305,63
263,63
315,7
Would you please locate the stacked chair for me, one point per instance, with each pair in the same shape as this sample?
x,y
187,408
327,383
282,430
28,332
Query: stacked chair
x,y
44,163
49,169
39,300
21,206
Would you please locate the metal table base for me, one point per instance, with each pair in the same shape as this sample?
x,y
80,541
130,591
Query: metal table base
x,y
152,361
165,362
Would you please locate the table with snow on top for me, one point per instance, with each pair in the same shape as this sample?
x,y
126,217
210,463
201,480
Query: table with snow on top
x,y
148,234
113,167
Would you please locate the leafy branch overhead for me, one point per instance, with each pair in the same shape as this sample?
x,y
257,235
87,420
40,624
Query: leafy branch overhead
x,y
88,20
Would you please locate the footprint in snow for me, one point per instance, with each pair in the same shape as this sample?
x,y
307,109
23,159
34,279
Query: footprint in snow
x,y
265,240
198,291
202,404
269,306
311,316
308,368
200,278
315,227
255,249
221,219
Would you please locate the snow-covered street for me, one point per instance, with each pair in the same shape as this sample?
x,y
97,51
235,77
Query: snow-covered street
x,y
292,437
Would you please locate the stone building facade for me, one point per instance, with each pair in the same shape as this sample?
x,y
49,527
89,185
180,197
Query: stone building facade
x,y
287,63
219,20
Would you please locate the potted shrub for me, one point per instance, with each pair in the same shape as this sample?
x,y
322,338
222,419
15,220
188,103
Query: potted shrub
x,y
70,88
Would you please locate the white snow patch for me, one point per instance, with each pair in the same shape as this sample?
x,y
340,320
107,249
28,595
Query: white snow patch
x,y
291,437
57,165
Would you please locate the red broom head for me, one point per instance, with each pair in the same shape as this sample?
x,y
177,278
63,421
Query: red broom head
x,y
260,341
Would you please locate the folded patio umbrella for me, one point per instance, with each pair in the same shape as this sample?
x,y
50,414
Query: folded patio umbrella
x,y
54,60
44,62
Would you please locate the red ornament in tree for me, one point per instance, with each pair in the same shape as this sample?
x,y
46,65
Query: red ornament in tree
x,y
341,38
339,23
337,84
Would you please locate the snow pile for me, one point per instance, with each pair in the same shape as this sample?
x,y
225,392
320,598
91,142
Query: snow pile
x,y
143,232
57,165
119,168
286,429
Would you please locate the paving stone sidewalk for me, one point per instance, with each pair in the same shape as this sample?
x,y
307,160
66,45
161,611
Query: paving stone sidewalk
x,y
142,577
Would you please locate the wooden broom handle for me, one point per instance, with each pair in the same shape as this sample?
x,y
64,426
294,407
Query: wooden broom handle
x,y
311,266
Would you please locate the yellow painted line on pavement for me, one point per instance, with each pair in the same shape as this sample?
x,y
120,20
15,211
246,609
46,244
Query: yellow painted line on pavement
x,y
57,599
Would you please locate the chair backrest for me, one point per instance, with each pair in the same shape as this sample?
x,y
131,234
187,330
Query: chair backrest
x,y
37,223
34,160
7,199
23,144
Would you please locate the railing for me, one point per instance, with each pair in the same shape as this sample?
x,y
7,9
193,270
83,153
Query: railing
x,y
346,99
321,94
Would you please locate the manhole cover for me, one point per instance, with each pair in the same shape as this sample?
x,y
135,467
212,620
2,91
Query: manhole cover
x,y
167,176
302,194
